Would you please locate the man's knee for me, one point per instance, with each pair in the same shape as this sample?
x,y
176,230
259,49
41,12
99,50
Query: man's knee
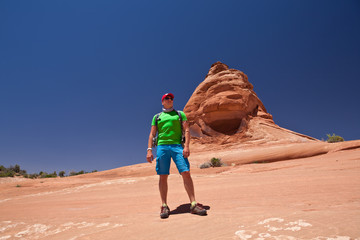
x,y
186,174
163,177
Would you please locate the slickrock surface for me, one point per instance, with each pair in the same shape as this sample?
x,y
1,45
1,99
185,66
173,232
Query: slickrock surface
x,y
303,198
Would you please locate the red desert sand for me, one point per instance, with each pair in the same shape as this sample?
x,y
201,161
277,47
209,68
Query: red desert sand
x,y
292,196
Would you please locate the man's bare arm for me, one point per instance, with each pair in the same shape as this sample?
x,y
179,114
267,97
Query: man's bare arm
x,y
186,129
149,154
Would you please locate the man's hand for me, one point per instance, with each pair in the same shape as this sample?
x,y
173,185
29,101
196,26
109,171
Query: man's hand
x,y
149,156
186,152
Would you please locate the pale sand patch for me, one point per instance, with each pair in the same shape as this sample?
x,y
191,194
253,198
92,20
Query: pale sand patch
x,y
4,225
103,225
80,188
38,230
12,179
81,235
245,234
279,231
271,220
334,238
5,237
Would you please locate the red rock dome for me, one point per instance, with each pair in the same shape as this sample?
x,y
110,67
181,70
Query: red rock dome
x,y
225,106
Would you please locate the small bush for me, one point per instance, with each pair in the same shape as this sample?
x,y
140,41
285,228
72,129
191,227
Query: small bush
x,y
73,173
7,174
62,174
334,138
15,168
47,175
214,162
33,176
13,171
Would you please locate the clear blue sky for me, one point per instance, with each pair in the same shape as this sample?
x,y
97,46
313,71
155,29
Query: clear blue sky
x,y
81,80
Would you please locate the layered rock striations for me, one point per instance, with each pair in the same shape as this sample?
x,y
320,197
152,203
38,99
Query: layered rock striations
x,y
224,109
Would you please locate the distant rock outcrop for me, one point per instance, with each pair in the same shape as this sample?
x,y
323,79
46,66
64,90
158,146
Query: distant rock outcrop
x,y
225,109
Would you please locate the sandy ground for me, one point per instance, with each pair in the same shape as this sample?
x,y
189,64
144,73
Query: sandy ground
x,y
303,196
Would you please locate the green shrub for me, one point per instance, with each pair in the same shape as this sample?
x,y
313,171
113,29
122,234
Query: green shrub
x,y
11,171
33,176
17,171
15,168
47,175
7,173
73,173
334,138
216,162
62,174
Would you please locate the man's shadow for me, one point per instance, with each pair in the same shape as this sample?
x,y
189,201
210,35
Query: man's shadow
x,y
185,208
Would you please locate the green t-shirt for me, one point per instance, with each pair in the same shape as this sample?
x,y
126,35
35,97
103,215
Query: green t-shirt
x,y
169,128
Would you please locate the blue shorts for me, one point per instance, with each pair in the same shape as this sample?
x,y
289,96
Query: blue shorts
x,y
164,154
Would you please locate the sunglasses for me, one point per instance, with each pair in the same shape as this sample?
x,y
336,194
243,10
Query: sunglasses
x,y
168,98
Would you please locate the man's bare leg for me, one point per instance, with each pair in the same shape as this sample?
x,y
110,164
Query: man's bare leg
x,y
195,207
189,185
163,187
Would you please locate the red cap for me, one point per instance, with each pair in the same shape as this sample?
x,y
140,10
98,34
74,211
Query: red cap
x,y
167,94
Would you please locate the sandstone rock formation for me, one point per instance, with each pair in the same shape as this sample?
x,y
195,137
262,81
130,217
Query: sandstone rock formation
x,y
225,109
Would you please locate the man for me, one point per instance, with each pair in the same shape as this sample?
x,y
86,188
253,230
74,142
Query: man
x,y
168,126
